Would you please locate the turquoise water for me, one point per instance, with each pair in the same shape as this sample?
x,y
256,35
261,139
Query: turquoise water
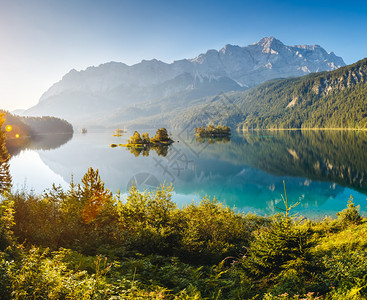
x,y
321,170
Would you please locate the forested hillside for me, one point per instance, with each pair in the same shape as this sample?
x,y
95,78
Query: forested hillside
x,y
335,99
31,126
34,132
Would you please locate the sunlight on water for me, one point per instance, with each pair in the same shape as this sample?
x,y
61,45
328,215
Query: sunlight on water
x,y
30,172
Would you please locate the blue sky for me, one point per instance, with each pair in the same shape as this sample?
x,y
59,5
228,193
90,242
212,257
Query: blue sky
x,y
41,40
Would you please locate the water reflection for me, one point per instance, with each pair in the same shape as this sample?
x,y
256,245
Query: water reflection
x,y
37,142
161,150
321,169
333,156
213,140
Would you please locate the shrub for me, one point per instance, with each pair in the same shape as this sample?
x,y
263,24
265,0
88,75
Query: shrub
x,y
212,232
149,221
350,215
6,224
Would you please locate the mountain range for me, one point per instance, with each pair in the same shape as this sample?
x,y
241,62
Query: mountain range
x,y
114,94
335,99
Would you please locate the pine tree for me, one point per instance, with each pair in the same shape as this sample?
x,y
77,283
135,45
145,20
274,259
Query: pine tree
x,y
281,249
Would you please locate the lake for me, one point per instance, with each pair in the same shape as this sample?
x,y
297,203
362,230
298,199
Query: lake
x,y
321,169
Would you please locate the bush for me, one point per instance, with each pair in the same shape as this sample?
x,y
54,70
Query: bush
x,y
350,215
346,272
5,284
212,232
150,221
6,224
44,275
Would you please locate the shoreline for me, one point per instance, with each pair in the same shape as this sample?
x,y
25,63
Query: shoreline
x,y
304,129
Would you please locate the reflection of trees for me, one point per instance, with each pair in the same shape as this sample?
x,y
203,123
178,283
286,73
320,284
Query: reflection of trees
x,y
335,156
213,140
161,150
37,142
338,156
5,178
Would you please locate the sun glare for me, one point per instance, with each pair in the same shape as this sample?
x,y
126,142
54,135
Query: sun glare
x,y
8,128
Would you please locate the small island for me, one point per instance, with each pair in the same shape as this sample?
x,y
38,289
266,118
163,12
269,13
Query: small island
x,y
138,144
144,142
211,131
161,138
118,132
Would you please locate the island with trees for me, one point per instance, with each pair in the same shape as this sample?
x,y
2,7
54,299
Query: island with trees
x,y
212,131
138,143
161,138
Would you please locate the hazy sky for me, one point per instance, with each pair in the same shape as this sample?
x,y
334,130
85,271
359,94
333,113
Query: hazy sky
x,y
41,40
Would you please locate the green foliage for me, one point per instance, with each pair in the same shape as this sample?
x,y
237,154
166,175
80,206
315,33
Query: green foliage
x,y
145,247
335,99
211,131
161,136
320,100
279,248
29,132
5,283
143,144
43,275
47,125
350,215
150,221
135,139
25,126
6,224
204,233
82,218
286,296
213,232
145,138
281,253
346,272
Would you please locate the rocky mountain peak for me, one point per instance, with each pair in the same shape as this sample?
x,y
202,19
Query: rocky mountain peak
x,y
269,43
116,85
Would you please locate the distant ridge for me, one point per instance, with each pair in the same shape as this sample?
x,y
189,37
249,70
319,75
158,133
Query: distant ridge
x,y
93,95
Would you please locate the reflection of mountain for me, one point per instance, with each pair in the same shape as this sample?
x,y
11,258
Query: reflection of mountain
x,y
239,173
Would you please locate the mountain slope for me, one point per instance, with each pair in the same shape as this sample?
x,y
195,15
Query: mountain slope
x,y
98,92
336,99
